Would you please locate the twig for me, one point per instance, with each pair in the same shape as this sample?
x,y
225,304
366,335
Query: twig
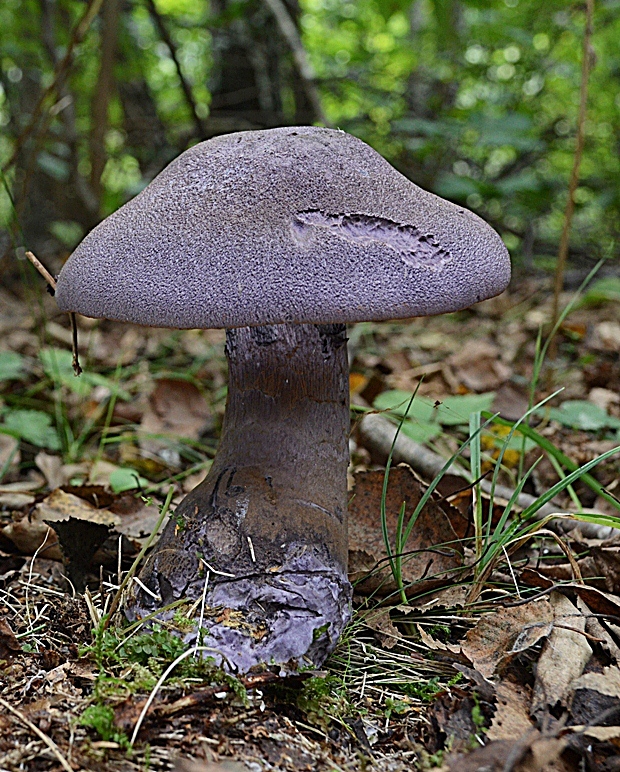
x,y
41,735
163,677
75,361
42,270
290,33
139,556
586,66
185,86
60,74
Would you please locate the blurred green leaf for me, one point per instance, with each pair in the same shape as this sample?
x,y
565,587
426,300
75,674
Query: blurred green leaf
x,y
580,414
11,365
451,411
33,426
126,479
602,291
58,365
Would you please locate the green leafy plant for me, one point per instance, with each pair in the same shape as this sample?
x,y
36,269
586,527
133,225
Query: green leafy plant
x,y
101,719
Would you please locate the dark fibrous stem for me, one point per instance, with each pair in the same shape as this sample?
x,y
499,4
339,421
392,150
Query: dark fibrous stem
x,y
269,521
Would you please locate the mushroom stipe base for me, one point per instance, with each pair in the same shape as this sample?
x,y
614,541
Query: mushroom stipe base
x,y
264,537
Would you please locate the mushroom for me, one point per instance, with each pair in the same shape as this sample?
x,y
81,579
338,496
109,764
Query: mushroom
x,y
282,237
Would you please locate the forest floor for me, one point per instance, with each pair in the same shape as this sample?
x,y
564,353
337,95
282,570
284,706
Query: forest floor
x,y
494,643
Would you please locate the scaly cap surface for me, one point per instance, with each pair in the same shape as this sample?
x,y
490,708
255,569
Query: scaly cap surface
x,y
289,225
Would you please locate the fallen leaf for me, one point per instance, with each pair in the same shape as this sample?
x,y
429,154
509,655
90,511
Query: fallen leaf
x,y
563,658
60,505
607,682
18,494
506,632
478,365
193,765
435,645
512,711
51,466
423,567
9,645
379,621
176,408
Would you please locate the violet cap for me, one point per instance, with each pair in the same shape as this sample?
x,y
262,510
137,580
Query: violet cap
x,y
291,225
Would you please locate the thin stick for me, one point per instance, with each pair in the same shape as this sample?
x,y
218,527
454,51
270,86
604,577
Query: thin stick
x,y
290,33
34,260
162,678
185,85
140,555
586,65
75,362
41,735
42,270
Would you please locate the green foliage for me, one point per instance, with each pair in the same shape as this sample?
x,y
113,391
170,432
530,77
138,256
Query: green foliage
x,y
11,366
425,417
126,479
101,719
156,644
476,101
33,426
581,414
58,366
323,700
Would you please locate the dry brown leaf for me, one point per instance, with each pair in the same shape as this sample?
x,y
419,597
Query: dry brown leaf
x,y
607,682
51,466
33,531
445,597
379,621
9,645
607,561
175,408
600,733
563,658
506,632
478,365
60,505
512,713
435,645
434,554
18,494
528,753
194,765
606,640
30,535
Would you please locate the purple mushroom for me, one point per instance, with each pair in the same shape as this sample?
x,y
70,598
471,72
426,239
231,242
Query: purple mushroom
x,y
282,237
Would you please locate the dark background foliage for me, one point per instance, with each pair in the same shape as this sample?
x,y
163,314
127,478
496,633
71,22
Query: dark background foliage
x,y
476,101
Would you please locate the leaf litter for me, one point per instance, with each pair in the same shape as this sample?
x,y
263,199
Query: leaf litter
x,y
524,678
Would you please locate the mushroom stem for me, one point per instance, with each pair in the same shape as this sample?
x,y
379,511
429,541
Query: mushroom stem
x,y
269,520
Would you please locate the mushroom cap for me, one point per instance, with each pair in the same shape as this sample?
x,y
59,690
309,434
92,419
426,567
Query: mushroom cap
x,y
289,225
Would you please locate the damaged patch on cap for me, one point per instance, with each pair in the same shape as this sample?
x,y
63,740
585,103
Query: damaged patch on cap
x,y
412,246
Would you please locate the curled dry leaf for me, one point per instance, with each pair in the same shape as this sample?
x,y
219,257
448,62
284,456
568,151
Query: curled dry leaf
x,y
51,466
433,556
499,636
